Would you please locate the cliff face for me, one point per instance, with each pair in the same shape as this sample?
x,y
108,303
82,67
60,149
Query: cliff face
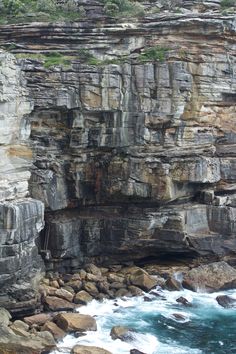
x,y
133,157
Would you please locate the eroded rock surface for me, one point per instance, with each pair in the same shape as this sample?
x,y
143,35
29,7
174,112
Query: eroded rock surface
x,y
134,151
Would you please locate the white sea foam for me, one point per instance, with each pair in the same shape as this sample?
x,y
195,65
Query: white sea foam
x,y
134,312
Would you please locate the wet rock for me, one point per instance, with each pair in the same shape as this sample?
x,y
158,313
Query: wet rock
x,y
172,284
211,277
54,303
226,301
123,333
82,297
143,280
135,291
136,351
56,331
103,287
179,316
71,322
114,278
183,301
122,292
83,349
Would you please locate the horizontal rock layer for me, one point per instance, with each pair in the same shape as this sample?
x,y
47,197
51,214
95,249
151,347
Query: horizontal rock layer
x,y
135,158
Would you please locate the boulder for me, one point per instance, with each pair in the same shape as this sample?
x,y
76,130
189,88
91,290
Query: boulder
x,y
135,291
211,277
226,301
33,344
54,303
5,317
84,349
56,331
172,284
82,297
64,294
93,269
39,319
123,333
71,322
76,285
143,280
91,288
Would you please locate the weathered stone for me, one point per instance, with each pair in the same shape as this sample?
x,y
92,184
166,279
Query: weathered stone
x,y
135,291
64,294
92,268
211,277
5,317
76,285
56,331
84,349
70,322
82,297
14,344
54,303
91,288
39,319
143,280
172,284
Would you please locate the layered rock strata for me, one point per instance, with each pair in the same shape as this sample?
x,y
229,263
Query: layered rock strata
x,y
21,217
134,153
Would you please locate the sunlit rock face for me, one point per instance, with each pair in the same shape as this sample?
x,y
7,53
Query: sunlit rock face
x,y
133,159
21,217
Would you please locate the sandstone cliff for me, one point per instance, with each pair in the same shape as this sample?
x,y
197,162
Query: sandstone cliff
x,y
130,140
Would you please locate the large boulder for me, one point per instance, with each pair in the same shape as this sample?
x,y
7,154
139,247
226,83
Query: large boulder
x,y
54,303
211,277
56,331
72,322
11,343
143,280
38,319
82,349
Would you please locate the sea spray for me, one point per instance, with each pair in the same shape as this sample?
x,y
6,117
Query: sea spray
x,y
204,327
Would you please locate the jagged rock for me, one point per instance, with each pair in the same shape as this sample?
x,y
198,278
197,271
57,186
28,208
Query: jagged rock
x,y
183,301
70,322
56,331
20,328
172,284
226,301
84,349
54,303
122,333
14,344
211,277
82,297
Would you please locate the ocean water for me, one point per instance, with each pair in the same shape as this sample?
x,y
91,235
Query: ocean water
x,y
207,328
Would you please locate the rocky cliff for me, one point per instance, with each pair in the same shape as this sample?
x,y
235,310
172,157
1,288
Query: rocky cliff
x,y
128,139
